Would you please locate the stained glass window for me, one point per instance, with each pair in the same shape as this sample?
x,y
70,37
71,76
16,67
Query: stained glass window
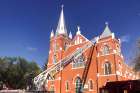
x,y
107,68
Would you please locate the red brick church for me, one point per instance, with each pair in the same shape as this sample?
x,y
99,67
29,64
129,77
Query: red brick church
x,y
77,64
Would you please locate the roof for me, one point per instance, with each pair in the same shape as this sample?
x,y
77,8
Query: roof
x,y
61,27
107,32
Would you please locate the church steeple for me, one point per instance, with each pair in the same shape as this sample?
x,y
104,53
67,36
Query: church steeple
x,y
61,27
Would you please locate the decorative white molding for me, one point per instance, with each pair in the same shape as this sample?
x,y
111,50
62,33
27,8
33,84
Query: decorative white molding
x,y
105,43
97,39
52,34
113,35
98,54
118,73
98,74
50,51
114,51
60,48
78,32
70,35
59,78
107,75
86,86
119,41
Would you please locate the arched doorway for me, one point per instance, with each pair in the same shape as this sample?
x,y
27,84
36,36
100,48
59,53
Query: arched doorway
x,y
78,85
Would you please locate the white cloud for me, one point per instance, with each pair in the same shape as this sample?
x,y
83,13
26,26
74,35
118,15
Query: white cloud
x,y
31,49
125,38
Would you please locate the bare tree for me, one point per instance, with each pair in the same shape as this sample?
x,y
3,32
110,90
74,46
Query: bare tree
x,y
136,60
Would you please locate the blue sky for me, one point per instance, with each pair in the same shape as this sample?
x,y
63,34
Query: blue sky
x,y
25,25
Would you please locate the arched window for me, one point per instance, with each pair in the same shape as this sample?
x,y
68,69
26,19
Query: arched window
x,y
78,85
105,50
90,85
107,68
67,85
79,62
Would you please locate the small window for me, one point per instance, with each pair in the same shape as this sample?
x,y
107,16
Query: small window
x,y
107,68
90,85
105,50
67,85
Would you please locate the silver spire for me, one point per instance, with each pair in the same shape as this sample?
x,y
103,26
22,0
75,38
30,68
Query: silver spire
x,y
107,32
61,28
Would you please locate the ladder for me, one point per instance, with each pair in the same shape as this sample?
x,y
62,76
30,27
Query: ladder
x,y
87,66
51,71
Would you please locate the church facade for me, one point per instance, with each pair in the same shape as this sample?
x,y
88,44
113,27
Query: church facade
x,y
89,69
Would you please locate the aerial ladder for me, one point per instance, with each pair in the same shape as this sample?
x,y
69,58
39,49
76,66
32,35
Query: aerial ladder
x,y
40,80
86,69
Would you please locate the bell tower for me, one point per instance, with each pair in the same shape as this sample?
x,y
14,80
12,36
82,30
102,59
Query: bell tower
x,y
109,57
61,34
59,41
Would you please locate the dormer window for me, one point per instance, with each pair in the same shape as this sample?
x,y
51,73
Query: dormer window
x,y
105,50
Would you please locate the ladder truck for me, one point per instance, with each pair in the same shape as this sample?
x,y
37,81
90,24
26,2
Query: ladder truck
x,y
40,79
